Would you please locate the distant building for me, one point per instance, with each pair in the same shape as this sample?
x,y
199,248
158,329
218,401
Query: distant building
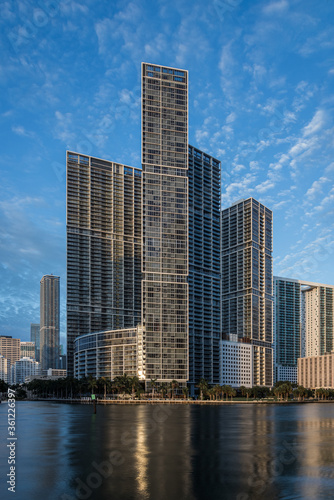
x,y
5,370
246,277
49,322
316,372
55,372
287,328
28,350
35,337
236,364
25,367
318,318
10,348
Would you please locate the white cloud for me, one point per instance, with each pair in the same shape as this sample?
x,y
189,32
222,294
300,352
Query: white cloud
x,y
315,124
275,8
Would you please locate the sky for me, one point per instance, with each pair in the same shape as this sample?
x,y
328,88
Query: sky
x,y
261,81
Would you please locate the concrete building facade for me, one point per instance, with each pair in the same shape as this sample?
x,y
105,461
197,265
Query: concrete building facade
x,y
236,364
315,372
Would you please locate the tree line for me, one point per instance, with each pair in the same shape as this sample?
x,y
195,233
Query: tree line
x,y
128,386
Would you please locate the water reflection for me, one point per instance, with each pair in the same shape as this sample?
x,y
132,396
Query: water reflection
x,y
239,452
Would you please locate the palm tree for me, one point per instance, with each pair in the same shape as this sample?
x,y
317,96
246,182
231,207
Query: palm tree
x,y
203,387
211,393
154,385
218,390
174,384
185,391
134,384
248,392
92,384
242,390
233,393
163,390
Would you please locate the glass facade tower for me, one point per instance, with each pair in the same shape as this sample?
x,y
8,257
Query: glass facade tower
x,y
49,322
165,222
103,247
204,267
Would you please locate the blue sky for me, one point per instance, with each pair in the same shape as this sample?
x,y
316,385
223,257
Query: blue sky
x,y
261,100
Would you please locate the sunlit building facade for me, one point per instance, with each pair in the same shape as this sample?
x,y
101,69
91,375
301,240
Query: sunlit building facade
x,y
315,372
246,290
317,318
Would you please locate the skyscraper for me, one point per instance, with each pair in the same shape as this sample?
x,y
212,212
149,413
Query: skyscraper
x,y
49,321
103,247
247,295
317,318
287,328
204,267
165,222
35,337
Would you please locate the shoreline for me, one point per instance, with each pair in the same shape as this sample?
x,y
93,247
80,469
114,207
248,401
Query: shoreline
x,y
169,402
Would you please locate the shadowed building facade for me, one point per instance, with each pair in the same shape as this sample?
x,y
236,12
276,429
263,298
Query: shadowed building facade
x,y
103,247
165,222
49,321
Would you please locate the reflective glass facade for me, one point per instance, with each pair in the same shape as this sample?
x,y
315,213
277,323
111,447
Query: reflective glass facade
x,y
204,267
49,322
165,222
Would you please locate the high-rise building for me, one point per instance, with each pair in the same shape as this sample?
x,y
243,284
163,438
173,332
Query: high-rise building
x,y
246,277
27,350
5,370
10,348
317,318
49,321
103,247
165,222
35,337
287,328
204,267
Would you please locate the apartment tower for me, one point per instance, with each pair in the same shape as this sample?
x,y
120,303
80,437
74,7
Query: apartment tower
x,y
204,267
287,328
35,337
103,247
246,273
317,318
49,321
165,222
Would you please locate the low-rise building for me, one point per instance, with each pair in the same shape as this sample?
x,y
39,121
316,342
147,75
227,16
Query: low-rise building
x,y
236,367
316,372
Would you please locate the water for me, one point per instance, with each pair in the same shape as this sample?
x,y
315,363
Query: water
x,y
170,452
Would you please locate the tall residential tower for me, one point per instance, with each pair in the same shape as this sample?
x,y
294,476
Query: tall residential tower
x,y
165,222
247,294
49,321
103,247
